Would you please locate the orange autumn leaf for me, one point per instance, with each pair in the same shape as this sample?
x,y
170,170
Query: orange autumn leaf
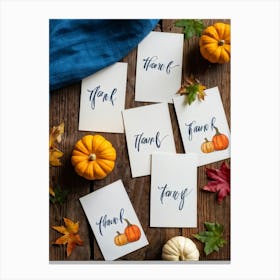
x,y
70,235
192,89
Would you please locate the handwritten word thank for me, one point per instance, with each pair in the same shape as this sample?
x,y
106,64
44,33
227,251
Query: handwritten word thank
x,y
141,139
193,127
105,222
174,194
98,94
152,63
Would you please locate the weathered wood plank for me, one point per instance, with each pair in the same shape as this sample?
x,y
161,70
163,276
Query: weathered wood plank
x,y
210,75
64,106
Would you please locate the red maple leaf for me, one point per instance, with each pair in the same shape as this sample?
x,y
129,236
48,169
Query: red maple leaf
x,y
220,182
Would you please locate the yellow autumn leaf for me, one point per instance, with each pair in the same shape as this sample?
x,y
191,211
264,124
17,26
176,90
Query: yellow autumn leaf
x,y
70,235
201,93
54,157
51,191
55,137
55,134
193,89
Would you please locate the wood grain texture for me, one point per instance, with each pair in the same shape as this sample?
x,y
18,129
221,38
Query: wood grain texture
x,y
64,106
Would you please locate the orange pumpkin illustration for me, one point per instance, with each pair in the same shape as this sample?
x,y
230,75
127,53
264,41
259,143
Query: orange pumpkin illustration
x,y
207,146
220,140
132,232
120,239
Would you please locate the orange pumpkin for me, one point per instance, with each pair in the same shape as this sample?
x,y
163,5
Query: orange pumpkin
x,y
120,239
220,140
207,146
215,43
93,157
132,232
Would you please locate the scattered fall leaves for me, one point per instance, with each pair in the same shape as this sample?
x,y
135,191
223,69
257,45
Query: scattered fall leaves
x,y
212,237
220,182
70,235
193,89
55,137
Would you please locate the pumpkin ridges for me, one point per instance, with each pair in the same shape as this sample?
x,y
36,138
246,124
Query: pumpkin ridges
x,y
207,40
106,165
175,246
227,49
87,141
103,146
220,28
97,140
192,247
211,32
210,48
227,33
80,167
171,251
76,159
224,56
99,172
111,155
79,153
216,54
81,147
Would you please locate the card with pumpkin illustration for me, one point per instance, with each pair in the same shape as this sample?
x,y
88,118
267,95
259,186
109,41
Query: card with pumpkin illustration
x,y
204,127
113,220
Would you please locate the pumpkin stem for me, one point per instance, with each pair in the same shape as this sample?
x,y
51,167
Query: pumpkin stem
x,y
118,233
217,130
206,140
221,42
128,223
92,157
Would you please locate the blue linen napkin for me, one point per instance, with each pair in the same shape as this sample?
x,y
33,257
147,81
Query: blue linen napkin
x,y
81,47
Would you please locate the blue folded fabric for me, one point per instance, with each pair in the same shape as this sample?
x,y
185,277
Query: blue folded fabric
x,y
79,48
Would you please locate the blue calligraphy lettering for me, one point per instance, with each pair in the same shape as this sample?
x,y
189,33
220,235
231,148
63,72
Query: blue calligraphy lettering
x,y
103,96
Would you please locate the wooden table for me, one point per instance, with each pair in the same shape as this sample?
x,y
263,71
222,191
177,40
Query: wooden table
x,y
64,106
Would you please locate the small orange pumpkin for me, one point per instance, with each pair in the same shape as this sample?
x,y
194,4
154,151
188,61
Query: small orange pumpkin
x,y
207,146
132,232
220,140
93,157
214,43
120,239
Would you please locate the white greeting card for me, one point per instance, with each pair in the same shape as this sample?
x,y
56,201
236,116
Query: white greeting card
x,y
148,129
204,127
159,67
173,190
103,99
113,220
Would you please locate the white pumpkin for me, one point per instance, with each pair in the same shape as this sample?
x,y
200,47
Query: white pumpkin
x,y
180,248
